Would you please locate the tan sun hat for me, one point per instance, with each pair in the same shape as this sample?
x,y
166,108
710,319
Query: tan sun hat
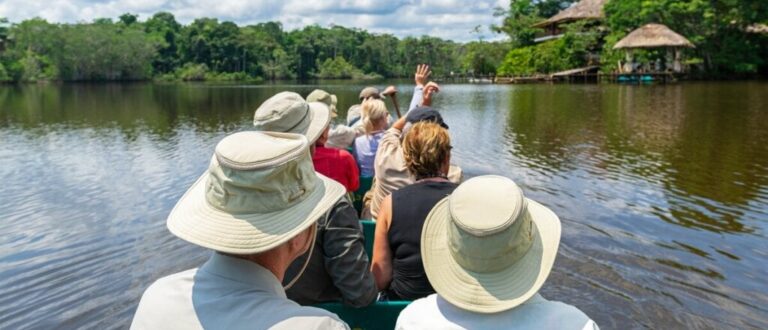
x,y
329,99
287,112
260,191
486,248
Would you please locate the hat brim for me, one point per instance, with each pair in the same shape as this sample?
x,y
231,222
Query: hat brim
x,y
489,292
319,120
196,221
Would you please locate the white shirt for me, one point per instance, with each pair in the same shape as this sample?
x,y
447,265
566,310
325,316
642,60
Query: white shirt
x,y
226,293
434,312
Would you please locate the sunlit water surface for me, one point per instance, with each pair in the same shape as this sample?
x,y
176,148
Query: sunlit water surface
x,y
662,191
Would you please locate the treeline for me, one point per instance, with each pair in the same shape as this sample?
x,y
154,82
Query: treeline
x,y
720,30
206,49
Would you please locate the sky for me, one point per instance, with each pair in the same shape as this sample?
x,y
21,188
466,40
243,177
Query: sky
x,y
447,19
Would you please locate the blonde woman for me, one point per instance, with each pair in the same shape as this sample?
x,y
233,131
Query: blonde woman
x,y
374,114
397,265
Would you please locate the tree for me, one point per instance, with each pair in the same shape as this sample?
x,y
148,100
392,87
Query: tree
x,y
128,19
164,30
518,22
3,32
482,58
338,68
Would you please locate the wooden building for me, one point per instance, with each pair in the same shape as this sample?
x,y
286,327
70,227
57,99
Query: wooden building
x,y
590,10
654,36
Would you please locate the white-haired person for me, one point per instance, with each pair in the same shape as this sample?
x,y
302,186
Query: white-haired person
x,y
375,116
487,250
256,208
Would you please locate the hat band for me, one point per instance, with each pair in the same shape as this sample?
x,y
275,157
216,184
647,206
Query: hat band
x,y
491,253
303,124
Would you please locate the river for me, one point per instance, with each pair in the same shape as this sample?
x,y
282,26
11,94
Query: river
x,y
662,191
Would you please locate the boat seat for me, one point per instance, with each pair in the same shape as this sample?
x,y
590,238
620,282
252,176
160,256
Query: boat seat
x,y
380,315
366,182
369,229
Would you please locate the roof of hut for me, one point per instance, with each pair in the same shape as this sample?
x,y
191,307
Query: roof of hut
x,y
584,9
757,28
653,35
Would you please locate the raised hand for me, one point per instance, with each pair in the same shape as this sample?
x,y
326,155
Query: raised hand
x,y
422,74
430,90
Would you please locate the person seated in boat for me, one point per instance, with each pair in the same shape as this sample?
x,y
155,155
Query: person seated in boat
x,y
396,261
340,136
375,123
337,164
487,250
343,136
338,269
256,208
355,112
390,170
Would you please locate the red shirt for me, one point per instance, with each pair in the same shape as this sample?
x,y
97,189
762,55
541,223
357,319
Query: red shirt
x,y
337,164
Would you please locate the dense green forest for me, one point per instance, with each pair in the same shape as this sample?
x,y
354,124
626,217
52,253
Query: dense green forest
x,y
207,49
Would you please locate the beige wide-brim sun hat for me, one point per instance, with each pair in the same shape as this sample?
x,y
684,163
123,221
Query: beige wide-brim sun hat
x,y
321,119
260,191
319,95
288,112
486,248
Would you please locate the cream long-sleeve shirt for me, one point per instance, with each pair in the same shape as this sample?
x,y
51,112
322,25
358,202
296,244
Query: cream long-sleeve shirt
x,y
226,293
433,312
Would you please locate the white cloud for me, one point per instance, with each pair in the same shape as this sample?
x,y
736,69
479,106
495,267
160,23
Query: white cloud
x,y
448,19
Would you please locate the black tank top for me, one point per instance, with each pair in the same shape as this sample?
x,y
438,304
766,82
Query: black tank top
x,y
410,207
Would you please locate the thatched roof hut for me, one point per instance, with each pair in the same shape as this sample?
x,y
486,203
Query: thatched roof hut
x,y
758,28
584,9
651,36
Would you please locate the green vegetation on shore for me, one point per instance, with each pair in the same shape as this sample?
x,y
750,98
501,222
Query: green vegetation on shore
x,y
161,48
721,30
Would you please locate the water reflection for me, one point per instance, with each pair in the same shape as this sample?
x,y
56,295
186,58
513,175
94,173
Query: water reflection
x,y
662,191
678,136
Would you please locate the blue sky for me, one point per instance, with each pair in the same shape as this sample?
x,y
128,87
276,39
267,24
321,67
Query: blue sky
x,y
449,19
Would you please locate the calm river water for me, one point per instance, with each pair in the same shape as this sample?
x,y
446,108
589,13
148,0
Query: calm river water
x,y
662,191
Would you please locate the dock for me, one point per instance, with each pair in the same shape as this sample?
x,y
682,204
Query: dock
x,y
591,74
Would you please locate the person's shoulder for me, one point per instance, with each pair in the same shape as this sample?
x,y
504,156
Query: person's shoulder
x,y
568,314
165,295
344,154
420,306
320,323
342,214
393,131
419,314
306,317
171,281
276,312
561,307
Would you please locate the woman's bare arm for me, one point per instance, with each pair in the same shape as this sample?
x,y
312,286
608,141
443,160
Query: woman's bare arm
x,y
381,265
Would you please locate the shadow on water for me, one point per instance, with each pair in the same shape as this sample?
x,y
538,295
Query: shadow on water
x,y
662,191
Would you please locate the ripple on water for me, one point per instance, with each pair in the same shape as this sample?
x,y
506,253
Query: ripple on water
x,y
663,210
